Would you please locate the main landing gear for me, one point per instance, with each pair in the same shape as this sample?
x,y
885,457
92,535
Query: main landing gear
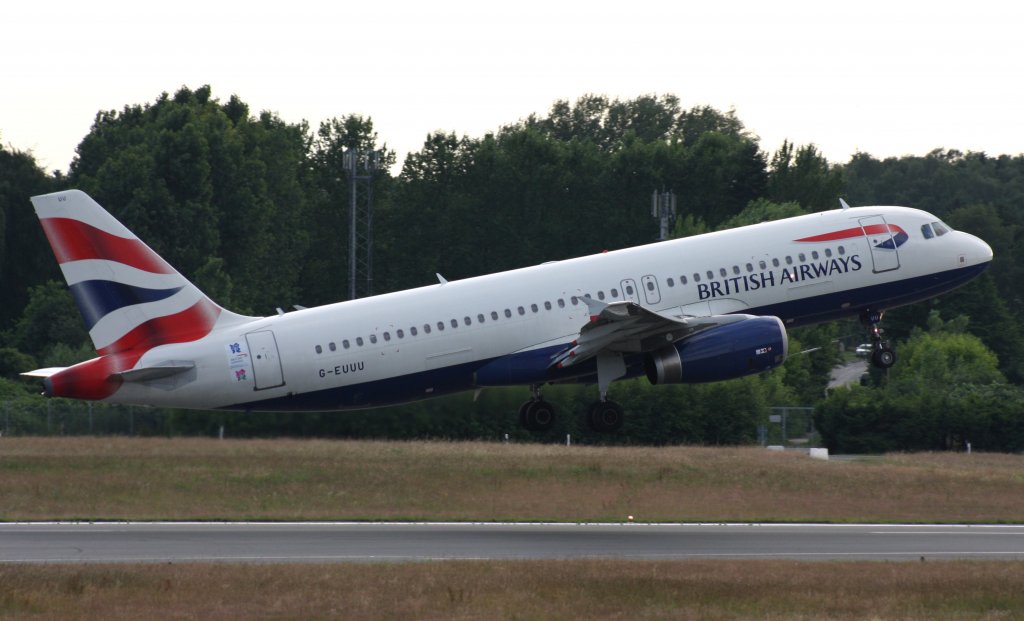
x,y
537,415
882,354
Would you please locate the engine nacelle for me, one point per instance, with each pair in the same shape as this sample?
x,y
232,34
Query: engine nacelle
x,y
726,352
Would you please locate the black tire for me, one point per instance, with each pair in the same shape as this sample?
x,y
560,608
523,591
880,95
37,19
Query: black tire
x,y
537,415
605,416
883,357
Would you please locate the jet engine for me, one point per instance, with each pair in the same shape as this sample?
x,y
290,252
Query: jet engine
x,y
724,352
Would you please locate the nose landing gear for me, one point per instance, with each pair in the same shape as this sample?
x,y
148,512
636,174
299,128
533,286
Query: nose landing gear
x,y
883,355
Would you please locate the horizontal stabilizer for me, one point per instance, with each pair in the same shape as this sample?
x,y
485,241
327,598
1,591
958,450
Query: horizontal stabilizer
x,y
160,371
47,372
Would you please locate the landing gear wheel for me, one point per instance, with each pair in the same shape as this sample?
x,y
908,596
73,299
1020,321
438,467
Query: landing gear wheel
x,y
883,357
605,416
537,415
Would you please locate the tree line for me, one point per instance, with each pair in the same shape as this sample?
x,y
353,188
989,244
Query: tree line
x,y
253,209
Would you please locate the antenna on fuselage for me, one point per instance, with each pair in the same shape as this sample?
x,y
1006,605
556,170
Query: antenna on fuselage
x,y
843,204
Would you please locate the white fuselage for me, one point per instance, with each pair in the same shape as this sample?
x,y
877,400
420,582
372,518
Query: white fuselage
x,y
427,341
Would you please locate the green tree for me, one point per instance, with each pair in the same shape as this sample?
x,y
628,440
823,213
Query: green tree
x,y
804,177
25,257
197,179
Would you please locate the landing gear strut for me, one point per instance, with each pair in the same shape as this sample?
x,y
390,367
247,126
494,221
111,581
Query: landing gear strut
x,y
536,415
882,354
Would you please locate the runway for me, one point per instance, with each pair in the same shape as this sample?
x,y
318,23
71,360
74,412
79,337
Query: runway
x,y
373,542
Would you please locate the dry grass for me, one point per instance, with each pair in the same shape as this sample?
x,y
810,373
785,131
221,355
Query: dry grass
x,y
715,590
198,479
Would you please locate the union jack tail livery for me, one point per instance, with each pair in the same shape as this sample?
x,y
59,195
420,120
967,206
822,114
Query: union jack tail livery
x,y
130,298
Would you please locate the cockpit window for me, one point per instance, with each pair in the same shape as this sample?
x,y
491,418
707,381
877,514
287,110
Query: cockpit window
x,y
940,228
926,230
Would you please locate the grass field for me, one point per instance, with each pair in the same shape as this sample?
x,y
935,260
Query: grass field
x,y
205,479
198,479
593,590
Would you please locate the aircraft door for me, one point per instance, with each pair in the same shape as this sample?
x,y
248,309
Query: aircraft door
x,y
266,361
629,290
881,243
651,291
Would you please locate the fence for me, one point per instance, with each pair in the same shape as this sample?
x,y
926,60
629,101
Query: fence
x,y
66,417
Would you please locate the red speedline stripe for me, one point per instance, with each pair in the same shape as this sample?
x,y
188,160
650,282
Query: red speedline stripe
x,y
872,229
73,240
190,324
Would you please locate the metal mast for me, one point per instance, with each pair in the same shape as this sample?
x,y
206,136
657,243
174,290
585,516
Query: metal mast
x,y
361,167
663,207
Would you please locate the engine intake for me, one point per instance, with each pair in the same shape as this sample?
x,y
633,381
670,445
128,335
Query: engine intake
x,y
726,352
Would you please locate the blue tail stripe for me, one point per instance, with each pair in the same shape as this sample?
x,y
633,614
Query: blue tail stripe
x,y
97,298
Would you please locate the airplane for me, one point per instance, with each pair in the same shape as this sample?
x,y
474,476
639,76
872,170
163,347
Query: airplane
x,y
699,309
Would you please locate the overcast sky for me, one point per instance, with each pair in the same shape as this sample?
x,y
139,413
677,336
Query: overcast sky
x,y
886,78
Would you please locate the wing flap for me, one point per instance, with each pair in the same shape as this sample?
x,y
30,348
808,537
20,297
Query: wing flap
x,y
627,327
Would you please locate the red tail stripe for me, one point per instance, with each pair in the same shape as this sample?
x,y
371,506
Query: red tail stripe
x,y
73,240
190,324
91,379
871,229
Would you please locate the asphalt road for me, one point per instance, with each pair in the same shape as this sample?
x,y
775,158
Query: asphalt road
x,y
341,542
848,374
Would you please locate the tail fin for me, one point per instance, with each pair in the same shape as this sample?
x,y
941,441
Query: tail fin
x,y
129,297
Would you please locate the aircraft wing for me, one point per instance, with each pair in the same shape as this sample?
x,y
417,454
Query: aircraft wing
x,y
627,327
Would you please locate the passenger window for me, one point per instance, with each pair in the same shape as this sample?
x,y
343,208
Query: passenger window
x,y
682,280
711,275
387,336
521,310
440,326
346,344
426,328
359,341
534,308
412,331
735,269
803,258
670,282
455,323
615,292
629,289
331,346
561,303
480,318
494,315
650,285
696,277
789,260
828,252
319,349
814,255
574,300
508,313
775,262
373,338
600,295
547,305
722,271
750,267
842,250
400,333
467,320
762,265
